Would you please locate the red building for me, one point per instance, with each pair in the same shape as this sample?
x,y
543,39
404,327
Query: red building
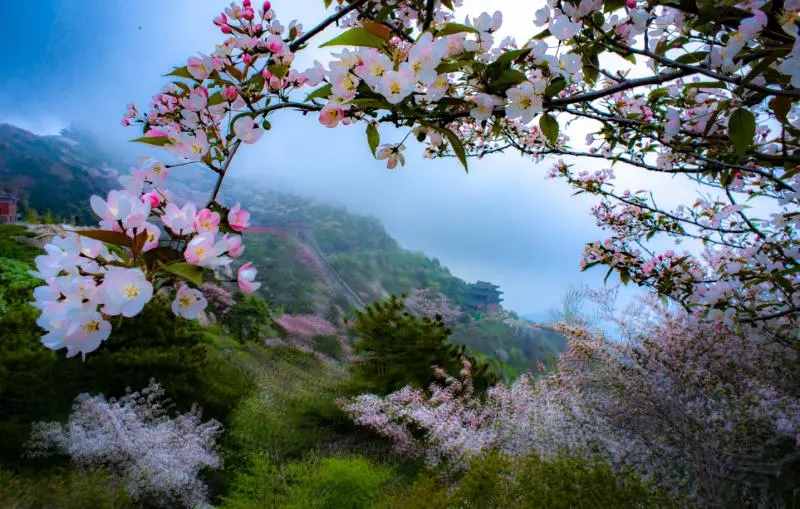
x,y
8,208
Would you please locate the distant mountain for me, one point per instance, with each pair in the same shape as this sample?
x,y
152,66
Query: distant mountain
x,y
324,260
54,173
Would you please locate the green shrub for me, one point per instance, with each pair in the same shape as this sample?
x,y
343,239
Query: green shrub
x,y
498,481
328,483
396,349
38,384
329,345
250,319
335,483
295,409
10,247
62,489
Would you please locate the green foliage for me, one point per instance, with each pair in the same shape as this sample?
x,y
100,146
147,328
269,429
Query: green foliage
x,y
742,129
336,483
397,349
328,345
16,284
11,247
396,271
66,488
294,410
250,319
38,384
498,481
328,483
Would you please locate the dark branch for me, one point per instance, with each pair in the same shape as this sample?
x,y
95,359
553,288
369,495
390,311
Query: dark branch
x,y
333,18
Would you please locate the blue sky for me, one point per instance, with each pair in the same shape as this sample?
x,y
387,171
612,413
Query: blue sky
x,y
83,61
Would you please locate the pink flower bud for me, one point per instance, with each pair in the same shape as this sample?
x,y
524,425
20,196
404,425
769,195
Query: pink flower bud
x,y
226,29
267,6
221,20
274,44
153,198
230,93
631,4
247,58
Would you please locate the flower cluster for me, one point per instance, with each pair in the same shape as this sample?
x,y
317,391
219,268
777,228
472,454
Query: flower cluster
x,y
146,243
305,326
426,302
158,457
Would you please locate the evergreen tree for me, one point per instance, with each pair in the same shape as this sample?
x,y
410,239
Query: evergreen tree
x,y
396,348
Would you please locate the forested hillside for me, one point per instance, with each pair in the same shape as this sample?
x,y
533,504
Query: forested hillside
x,y
55,174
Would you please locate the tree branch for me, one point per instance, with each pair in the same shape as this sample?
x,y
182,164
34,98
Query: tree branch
x,y
222,172
333,18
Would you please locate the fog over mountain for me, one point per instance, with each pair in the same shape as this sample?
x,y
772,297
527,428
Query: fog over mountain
x,y
502,222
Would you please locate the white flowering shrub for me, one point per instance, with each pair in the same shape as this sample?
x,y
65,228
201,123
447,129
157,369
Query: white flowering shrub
x,y
157,457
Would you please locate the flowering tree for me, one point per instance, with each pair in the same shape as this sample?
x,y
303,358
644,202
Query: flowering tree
x,y
699,409
703,90
158,457
431,303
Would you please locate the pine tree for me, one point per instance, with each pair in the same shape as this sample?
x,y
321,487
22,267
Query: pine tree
x,y
396,349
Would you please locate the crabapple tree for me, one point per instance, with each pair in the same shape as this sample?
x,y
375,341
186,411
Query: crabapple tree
x,y
705,91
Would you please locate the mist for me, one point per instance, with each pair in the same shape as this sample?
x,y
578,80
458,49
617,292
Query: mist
x,y
81,62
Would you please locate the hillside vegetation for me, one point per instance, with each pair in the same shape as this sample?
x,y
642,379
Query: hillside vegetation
x,y
285,442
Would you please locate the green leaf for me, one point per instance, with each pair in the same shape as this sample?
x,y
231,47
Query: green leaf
x,y
657,94
356,37
454,28
706,84
742,129
508,78
216,99
107,236
322,92
327,3
455,143
613,5
509,56
591,67
183,270
555,86
692,58
158,141
373,137
541,35
180,72
452,66
549,127
364,103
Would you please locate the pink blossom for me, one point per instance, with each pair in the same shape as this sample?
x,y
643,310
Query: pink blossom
x,y
331,114
246,278
235,245
238,218
206,221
